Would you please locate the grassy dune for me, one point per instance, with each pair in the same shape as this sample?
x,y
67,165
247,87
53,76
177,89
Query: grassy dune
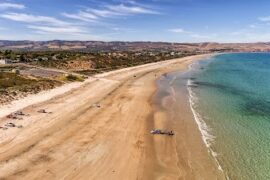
x,y
14,86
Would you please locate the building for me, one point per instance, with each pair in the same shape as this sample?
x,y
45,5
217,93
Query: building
x,y
4,61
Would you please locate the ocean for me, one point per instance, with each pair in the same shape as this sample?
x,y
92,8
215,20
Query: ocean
x,y
229,95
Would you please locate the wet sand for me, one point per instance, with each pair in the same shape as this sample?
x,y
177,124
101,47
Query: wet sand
x,y
172,103
82,140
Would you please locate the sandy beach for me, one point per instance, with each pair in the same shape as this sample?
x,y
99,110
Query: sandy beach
x,y
100,129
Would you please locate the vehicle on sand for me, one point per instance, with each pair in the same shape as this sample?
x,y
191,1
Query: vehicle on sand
x,y
11,116
19,113
162,132
42,111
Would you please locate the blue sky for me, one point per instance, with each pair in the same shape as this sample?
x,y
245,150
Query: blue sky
x,y
136,20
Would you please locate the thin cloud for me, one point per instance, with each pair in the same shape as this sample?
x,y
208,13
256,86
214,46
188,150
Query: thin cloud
x,y
123,9
109,11
11,6
50,29
177,30
28,18
44,24
253,26
83,16
103,13
264,19
191,34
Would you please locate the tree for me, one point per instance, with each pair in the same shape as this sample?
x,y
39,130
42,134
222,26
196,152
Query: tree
x,y
22,58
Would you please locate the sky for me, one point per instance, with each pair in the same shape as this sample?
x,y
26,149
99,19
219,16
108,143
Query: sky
x,y
136,20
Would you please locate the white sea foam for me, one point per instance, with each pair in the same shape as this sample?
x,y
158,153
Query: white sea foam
x,y
173,94
207,137
172,81
204,129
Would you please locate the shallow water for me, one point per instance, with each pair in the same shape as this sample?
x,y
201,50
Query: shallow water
x,y
230,99
231,94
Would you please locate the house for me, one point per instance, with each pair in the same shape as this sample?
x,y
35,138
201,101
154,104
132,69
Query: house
x,y
5,61
45,59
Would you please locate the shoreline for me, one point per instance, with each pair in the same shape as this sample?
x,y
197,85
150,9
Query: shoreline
x,y
204,129
207,137
80,140
167,103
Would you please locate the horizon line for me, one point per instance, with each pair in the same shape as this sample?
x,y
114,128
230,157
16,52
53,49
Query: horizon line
x,y
146,41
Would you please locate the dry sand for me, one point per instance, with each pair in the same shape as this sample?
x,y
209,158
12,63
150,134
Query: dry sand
x,y
80,140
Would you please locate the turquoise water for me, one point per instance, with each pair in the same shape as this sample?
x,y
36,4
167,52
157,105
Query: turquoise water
x,y
231,94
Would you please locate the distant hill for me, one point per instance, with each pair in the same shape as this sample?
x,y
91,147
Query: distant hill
x,y
131,46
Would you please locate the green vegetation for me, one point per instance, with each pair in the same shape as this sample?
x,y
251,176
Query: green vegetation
x,y
73,77
92,62
8,79
13,85
15,81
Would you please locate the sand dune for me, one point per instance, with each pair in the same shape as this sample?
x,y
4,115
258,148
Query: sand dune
x,y
81,140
